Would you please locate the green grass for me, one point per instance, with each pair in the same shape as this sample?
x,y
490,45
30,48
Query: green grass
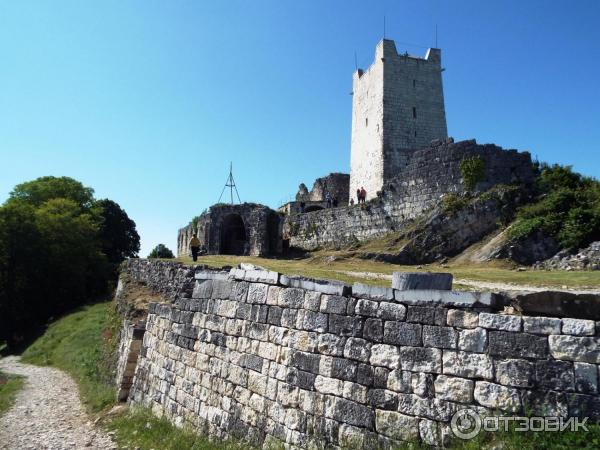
x,y
79,344
9,386
319,265
138,428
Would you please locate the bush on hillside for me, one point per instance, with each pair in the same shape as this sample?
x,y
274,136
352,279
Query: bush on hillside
x,y
59,248
568,208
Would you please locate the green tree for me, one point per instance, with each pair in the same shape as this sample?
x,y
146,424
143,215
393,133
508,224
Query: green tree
x,y
118,236
42,189
161,251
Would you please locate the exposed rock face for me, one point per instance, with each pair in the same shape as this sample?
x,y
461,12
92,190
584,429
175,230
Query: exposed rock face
x,y
336,184
279,360
586,259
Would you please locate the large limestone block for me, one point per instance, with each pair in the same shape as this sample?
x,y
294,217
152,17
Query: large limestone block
x,y
406,281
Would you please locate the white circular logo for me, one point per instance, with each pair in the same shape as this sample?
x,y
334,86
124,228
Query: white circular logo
x,y
465,424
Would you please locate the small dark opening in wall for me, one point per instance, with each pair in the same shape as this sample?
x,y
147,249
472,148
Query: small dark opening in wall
x,y
367,122
415,133
414,83
414,112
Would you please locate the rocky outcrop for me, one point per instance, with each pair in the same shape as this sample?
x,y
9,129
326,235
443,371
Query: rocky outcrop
x,y
585,259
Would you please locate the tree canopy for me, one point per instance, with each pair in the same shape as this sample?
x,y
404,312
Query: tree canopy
x,y
161,251
59,248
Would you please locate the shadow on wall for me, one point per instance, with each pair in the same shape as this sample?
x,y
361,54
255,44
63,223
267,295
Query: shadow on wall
x,y
234,240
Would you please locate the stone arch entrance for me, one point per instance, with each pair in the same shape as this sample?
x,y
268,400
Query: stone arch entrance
x,y
234,239
313,208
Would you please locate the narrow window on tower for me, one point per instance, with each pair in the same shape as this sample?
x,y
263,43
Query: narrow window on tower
x,y
414,112
367,122
414,83
415,133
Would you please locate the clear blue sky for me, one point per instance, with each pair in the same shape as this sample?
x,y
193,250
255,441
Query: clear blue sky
x,y
148,101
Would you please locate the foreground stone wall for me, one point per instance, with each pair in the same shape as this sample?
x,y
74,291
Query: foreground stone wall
x,y
272,359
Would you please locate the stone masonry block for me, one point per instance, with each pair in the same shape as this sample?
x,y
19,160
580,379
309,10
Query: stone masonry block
x,y
347,411
467,365
517,345
440,337
541,325
473,340
496,396
404,281
515,372
385,355
291,298
454,389
361,290
555,375
397,426
425,315
357,349
578,327
335,304
462,319
586,378
421,359
575,348
401,333
500,322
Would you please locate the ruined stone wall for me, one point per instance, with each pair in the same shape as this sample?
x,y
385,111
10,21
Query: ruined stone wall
x,y
337,184
428,175
272,359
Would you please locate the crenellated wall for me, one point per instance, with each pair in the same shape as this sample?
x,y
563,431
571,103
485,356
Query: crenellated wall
x,y
276,359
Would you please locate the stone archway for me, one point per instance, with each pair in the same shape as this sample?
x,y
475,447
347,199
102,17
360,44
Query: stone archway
x,y
234,238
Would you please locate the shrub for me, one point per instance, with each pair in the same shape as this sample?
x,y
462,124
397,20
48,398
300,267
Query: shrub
x,y
161,251
472,171
452,203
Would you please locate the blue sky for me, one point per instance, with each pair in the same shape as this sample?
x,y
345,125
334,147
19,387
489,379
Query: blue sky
x,y
148,101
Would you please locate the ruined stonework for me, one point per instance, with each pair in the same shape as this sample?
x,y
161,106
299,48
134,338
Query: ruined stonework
x,y
275,359
397,106
431,173
246,229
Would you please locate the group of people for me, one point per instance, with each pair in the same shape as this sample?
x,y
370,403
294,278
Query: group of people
x,y
361,195
331,201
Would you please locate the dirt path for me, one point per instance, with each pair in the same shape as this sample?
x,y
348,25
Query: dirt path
x,y
482,285
47,413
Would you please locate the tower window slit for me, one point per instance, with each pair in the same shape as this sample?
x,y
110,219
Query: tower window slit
x,y
414,112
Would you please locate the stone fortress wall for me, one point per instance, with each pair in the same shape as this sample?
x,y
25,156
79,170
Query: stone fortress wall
x,y
429,174
276,359
397,106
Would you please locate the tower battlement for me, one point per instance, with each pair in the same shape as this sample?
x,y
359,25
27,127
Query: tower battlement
x,y
397,106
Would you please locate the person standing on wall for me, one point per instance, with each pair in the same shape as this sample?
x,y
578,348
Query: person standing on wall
x,y
358,196
195,247
363,194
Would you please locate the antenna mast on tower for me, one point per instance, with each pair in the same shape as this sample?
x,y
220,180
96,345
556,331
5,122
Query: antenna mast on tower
x,y
230,183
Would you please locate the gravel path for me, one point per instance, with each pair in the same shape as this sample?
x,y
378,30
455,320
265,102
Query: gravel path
x,y
47,413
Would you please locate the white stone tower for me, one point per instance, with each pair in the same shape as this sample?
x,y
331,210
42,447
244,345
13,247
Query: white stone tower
x,y
397,105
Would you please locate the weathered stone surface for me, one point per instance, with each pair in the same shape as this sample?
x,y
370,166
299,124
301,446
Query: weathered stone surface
x,y
401,333
202,289
586,378
391,311
404,281
421,359
474,340
357,349
500,322
578,327
581,405
361,290
461,299
454,389
373,330
385,355
515,372
574,348
469,365
426,315
350,412
399,381
396,425
502,343
326,385
462,319
541,325
257,293
496,396
291,298
555,375
330,287
559,304
333,304
440,337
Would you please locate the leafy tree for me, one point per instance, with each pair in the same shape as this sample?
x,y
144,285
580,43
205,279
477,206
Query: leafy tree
x,y
161,251
42,189
59,249
118,236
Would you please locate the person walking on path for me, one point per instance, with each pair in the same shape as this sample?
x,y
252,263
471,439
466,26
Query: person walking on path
x,y
195,247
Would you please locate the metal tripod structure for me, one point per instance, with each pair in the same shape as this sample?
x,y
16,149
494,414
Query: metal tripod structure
x,y
230,183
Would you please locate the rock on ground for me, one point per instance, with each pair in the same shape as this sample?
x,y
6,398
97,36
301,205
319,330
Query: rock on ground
x,y
47,413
